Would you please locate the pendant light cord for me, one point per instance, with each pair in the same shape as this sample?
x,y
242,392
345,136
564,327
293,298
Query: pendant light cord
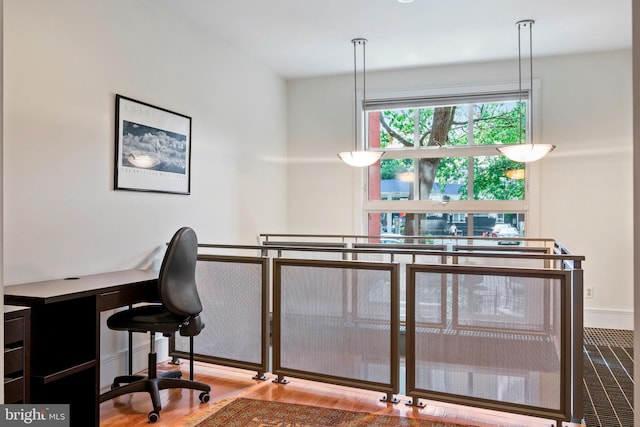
x,y
355,97
528,22
356,157
519,86
364,74
531,81
356,42
364,85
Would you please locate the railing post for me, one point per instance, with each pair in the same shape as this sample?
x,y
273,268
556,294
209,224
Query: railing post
x,y
390,398
577,345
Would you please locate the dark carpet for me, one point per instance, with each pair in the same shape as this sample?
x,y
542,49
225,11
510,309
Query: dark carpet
x,y
608,377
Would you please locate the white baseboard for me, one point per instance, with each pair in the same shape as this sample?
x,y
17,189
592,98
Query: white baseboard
x,y
608,319
115,364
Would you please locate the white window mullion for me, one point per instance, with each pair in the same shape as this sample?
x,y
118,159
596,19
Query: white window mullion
x,y
416,144
426,206
470,158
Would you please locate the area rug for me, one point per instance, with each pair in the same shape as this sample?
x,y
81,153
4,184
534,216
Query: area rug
x,y
243,412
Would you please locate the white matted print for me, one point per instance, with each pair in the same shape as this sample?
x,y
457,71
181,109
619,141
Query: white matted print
x,y
153,148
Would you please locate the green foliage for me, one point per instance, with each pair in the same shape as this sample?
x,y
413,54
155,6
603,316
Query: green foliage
x,y
453,170
400,128
492,123
498,122
490,180
390,168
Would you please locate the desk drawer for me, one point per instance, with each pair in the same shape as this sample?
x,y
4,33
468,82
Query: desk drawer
x,y
13,360
13,330
13,390
130,295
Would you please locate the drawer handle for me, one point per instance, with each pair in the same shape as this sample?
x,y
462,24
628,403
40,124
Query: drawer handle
x,y
109,293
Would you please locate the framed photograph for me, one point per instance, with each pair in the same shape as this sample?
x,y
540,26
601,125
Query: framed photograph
x,y
153,148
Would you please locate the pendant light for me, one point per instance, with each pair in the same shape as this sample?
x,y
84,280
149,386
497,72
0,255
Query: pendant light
x,y
525,152
515,173
359,158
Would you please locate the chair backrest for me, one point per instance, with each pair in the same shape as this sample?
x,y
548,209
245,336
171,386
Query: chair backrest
x,y
177,280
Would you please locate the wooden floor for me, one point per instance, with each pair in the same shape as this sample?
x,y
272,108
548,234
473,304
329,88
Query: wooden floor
x,y
183,408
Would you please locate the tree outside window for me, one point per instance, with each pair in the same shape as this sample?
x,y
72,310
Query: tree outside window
x,y
428,172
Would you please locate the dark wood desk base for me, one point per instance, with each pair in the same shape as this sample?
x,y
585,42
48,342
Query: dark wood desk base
x,y
65,334
17,353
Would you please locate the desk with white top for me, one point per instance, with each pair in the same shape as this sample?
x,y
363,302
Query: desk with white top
x,y
65,334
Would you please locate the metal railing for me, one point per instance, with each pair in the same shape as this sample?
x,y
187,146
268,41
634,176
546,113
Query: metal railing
x,y
502,340
337,322
485,325
234,291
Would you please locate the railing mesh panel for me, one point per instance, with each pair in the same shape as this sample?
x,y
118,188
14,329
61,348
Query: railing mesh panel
x,y
231,295
431,300
402,260
310,254
336,321
504,345
498,261
502,302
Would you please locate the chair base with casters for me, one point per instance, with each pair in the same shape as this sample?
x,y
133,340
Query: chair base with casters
x,y
152,383
126,379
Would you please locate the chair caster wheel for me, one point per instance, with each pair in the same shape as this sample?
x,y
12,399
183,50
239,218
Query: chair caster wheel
x,y
204,397
153,416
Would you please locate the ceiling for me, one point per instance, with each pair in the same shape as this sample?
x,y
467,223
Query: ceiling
x,y
304,38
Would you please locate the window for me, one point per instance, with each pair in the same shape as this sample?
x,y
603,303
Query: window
x,y
442,173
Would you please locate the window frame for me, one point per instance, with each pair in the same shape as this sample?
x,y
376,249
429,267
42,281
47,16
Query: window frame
x,y
530,205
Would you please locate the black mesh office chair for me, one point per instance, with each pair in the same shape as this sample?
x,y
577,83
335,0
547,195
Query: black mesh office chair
x,y
179,311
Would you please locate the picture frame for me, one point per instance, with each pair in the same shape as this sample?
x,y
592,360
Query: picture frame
x,y
152,148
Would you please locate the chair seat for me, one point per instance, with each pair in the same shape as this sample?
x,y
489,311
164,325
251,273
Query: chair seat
x,y
146,318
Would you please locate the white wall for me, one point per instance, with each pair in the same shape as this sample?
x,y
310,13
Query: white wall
x,y
64,61
586,187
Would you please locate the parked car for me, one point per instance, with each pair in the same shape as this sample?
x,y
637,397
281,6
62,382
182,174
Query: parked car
x,y
389,238
506,230
496,229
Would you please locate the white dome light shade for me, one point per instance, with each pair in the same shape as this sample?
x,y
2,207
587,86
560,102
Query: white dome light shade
x,y
526,152
360,158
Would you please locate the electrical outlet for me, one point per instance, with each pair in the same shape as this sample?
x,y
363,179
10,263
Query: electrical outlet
x,y
588,292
